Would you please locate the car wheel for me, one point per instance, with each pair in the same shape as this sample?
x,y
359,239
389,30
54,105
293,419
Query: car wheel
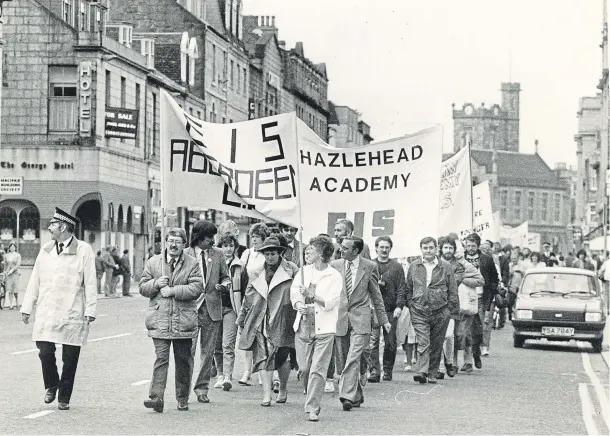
x,y
518,341
597,345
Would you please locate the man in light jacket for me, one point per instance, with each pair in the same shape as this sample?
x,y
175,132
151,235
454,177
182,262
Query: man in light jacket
x,y
63,288
172,282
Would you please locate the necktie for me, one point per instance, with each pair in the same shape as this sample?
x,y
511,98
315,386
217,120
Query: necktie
x,y
172,264
60,248
204,263
348,279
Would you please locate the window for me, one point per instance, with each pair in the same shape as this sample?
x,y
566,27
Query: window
x,y
244,78
193,53
503,203
517,213
125,33
68,11
530,205
63,101
184,57
232,75
154,122
147,48
198,115
138,103
85,15
544,206
98,19
557,207
123,91
214,76
238,79
225,67
191,111
108,88
592,178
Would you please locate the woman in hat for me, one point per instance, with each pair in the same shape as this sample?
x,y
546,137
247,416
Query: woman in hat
x,y
267,317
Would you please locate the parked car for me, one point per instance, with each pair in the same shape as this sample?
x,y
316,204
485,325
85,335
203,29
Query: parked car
x,y
559,304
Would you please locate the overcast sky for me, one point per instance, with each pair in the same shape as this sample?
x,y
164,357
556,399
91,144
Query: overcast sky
x,y
401,63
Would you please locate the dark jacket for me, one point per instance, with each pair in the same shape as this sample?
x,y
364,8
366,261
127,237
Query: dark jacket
x,y
505,269
490,274
441,293
119,262
392,284
174,317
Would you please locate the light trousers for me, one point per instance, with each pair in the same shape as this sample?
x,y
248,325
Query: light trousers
x,y
348,358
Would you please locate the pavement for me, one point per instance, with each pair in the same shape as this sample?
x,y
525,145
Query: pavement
x,y
543,388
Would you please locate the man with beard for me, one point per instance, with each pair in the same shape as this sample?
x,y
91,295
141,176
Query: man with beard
x,y
485,264
392,287
467,274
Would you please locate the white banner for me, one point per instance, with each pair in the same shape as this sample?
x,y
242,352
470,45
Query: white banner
x,y
533,241
456,194
516,236
388,188
259,168
482,214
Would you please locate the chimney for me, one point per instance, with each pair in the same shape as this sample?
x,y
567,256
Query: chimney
x,y
273,21
536,146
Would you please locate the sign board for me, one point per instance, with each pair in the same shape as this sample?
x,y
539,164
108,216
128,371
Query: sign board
x,y
11,185
85,69
121,123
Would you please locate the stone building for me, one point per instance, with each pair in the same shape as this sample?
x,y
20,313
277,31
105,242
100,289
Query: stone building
x,y
493,128
523,186
589,186
80,121
345,129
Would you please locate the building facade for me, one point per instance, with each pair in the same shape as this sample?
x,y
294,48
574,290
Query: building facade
x,y
491,128
590,176
345,130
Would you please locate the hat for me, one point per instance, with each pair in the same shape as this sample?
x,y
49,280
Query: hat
x,y
546,243
61,216
271,243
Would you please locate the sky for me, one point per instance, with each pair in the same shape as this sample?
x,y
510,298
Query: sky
x,y
402,63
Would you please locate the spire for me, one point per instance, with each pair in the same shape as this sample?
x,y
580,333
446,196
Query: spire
x,y
536,146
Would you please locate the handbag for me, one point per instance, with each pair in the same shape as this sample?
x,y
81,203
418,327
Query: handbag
x,y
469,304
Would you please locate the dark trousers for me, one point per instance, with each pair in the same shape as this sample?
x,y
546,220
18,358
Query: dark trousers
x,y
477,329
430,329
182,355
208,332
330,374
126,283
389,350
50,375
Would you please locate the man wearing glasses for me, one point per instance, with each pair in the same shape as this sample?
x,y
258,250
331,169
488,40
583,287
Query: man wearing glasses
x,y
172,282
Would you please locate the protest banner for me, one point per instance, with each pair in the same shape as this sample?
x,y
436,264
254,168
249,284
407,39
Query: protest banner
x,y
516,236
387,188
533,241
276,168
456,194
482,214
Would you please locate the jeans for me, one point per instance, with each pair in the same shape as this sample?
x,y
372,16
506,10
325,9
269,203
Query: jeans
x,y
182,352
389,350
50,375
430,329
224,351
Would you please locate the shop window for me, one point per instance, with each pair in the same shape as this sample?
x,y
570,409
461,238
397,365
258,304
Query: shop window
x,y
120,219
29,234
111,217
129,227
8,225
63,102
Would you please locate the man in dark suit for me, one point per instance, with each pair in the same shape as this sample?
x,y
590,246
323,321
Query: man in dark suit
x,y
360,288
216,281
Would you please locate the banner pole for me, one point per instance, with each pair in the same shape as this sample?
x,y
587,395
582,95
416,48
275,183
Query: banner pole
x,y
471,191
299,209
162,153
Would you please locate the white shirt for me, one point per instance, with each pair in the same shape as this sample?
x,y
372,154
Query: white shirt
x,y
67,242
354,269
429,268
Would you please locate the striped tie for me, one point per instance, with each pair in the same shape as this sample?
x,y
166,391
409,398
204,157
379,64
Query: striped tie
x,y
348,279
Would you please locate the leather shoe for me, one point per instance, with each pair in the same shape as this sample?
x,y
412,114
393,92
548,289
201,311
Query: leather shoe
x,y
347,405
374,378
387,376
49,396
432,380
203,398
421,378
183,406
358,403
477,361
154,403
451,370
440,376
63,406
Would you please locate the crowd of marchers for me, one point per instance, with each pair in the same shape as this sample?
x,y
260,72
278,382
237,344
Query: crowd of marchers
x,y
317,311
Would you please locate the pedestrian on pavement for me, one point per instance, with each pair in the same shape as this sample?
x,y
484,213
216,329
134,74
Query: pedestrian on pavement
x,y
172,282
486,265
110,267
99,271
62,287
465,273
360,290
224,352
12,263
317,301
267,318
126,273
253,263
116,274
216,282
432,298
393,291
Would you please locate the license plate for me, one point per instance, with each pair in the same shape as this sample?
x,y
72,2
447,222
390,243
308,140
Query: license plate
x,y
558,331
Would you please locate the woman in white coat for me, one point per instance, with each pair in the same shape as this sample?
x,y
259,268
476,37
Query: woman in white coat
x,y
63,287
317,301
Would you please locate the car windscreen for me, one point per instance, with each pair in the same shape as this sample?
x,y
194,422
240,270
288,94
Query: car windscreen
x,y
559,284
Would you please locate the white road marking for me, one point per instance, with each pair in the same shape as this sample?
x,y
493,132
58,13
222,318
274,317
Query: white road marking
x,y
24,351
587,410
110,337
404,391
99,316
599,389
140,383
38,414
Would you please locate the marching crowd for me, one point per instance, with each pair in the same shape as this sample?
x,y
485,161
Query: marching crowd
x,y
317,310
